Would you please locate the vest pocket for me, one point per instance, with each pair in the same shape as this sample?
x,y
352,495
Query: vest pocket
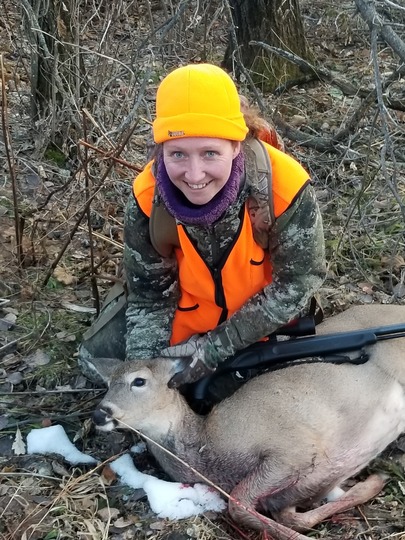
x,y
256,263
191,308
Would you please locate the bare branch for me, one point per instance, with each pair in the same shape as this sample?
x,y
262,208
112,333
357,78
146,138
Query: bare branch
x,y
387,148
384,30
86,206
321,73
11,164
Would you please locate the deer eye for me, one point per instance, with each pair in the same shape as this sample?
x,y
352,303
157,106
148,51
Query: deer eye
x,y
138,381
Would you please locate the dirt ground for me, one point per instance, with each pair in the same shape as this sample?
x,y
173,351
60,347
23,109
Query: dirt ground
x,y
44,310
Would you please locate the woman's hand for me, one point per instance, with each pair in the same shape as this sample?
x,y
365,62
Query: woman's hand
x,y
192,353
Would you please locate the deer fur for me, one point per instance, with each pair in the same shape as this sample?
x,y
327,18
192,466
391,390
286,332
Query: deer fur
x,y
284,440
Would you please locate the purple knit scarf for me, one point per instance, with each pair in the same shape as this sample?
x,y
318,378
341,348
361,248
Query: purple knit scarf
x,y
205,214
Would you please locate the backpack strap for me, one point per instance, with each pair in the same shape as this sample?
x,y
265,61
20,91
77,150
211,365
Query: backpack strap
x,y
115,301
162,227
316,309
260,203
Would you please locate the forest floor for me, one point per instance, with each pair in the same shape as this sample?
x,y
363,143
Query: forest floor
x,y
45,310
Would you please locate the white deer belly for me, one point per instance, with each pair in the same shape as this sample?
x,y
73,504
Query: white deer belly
x,y
384,426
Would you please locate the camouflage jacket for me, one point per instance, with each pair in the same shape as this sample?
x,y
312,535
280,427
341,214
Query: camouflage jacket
x,y
296,251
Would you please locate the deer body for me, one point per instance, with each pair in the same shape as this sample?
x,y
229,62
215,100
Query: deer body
x,y
285,439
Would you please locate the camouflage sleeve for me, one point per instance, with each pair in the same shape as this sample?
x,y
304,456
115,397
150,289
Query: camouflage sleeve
x,y
297,255
152,288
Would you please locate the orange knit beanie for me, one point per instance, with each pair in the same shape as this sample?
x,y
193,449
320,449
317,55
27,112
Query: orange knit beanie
x,y
198,100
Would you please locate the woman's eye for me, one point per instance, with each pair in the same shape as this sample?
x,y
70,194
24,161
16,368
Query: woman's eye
x,y
177,155
138,381
210,154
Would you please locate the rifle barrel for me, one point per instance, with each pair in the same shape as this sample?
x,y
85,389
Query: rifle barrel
x,y
267,353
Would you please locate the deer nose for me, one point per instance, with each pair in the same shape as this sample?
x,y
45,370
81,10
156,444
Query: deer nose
x,y
102,416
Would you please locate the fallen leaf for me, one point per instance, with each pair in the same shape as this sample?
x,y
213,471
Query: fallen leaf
x,y
395,262
18,445
63,276
59,469
157,526
38,358
108,513
7,322
366,287
399,290
77,308
108,475
121,523
65,336
84,430
10,310
15,378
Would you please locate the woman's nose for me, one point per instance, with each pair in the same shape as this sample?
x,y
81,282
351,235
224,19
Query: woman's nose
x,y
195,170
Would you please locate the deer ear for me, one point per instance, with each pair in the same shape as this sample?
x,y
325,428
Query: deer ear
x,y
176,365
172,365
102,369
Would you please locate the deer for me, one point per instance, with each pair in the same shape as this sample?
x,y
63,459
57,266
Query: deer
x,y
285,443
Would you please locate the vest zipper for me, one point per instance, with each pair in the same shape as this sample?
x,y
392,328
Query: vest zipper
x,y
219,294
216,271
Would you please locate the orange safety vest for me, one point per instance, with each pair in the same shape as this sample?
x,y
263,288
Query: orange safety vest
x,y
210,296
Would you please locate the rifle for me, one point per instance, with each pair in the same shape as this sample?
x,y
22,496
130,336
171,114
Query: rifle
x,y
267,354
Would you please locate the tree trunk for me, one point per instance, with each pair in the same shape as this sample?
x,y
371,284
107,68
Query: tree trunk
x,y
54,69
275,22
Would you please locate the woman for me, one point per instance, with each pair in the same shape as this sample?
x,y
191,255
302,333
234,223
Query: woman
x,y
220,290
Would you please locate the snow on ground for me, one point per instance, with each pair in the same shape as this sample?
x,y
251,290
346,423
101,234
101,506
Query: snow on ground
x,y
171,500
53,440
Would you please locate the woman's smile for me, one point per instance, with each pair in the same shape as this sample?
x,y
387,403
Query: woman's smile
x,y
198,186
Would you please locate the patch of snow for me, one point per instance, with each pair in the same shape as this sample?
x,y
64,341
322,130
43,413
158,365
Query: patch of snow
x,y
171,500
53,440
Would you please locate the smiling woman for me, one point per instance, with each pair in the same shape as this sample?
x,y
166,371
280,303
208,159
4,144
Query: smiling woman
x,y
200,166
220,288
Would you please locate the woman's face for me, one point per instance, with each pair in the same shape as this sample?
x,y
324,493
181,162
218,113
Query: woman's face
x,y
199,166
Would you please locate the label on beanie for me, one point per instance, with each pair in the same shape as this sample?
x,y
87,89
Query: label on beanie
x,y
176,133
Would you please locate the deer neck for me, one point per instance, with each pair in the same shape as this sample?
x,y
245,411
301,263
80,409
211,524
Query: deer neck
x,y
181,435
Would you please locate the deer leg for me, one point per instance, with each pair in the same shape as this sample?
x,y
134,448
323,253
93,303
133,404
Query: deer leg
x,y
244,498
358,494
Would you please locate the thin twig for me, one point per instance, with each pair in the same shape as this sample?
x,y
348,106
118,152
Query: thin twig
x,y
108,155
105,238
85,163
53,419
86,206
46,392
29,474
11,165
